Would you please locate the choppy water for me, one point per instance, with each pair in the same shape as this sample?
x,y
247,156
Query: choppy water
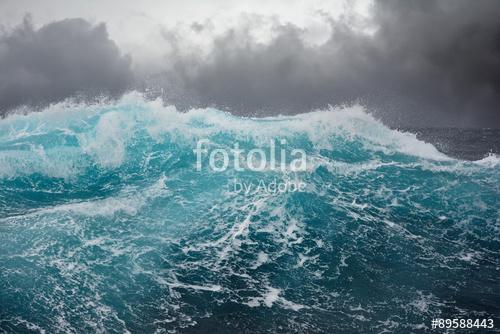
x,y
106,225
468,144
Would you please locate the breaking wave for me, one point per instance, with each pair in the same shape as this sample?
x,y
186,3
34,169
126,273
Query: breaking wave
x,y
106,223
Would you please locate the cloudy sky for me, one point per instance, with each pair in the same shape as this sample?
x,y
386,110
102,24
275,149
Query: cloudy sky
x,y
412,63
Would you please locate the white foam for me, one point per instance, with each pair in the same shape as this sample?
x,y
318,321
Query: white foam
x,y
262,258
29,325
272,296
423,302
129,201
212,287
108,142
492,160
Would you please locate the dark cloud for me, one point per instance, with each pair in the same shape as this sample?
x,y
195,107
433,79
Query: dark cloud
x,y
59,60
429,63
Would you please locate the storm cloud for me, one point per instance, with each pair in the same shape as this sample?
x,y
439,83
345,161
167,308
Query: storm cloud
x,y
427,63
59,60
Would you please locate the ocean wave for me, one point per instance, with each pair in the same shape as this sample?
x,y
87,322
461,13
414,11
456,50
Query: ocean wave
x,y
106,222
65,138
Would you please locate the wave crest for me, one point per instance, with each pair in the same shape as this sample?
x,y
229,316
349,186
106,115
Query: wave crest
x,y
67,136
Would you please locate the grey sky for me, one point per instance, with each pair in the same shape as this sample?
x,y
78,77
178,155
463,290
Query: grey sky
x,y
411,62
59,60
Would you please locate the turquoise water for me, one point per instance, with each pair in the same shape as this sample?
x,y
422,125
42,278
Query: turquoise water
x,y
106,225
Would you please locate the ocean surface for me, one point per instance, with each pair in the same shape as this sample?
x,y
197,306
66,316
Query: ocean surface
x,y
107,225
465,144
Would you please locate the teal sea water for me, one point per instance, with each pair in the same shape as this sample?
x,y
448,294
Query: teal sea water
x,y
106,225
